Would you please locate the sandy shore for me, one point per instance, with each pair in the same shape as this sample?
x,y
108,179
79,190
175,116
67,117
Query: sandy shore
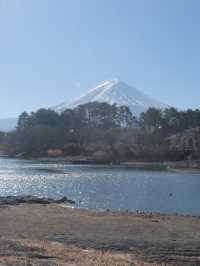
x,y
34,234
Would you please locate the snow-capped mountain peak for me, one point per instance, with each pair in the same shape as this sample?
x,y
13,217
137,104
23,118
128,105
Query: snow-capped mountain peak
x,y
115,92
105,84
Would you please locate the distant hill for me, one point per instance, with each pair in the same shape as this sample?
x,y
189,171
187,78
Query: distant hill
x,y
117,92
8,124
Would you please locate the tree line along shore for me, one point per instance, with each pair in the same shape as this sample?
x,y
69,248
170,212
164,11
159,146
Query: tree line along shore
x,y
102,132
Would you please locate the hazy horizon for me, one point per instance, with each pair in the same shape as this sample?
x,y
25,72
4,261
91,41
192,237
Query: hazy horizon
x,y
54,51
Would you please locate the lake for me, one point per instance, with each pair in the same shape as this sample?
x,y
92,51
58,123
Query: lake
x,y
103,187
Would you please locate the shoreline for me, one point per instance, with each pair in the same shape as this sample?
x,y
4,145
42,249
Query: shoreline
x,y
129,212
184,165
65,202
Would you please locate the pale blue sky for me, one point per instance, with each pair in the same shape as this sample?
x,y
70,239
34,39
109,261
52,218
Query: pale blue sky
x,y
54,50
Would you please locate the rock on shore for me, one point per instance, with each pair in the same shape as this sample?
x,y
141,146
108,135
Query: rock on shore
x,y
15,200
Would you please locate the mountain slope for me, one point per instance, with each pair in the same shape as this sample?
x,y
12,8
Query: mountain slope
x,y
117,92
111,91
8,124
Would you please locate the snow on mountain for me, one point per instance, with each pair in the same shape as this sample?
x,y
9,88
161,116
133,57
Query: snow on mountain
x,y
115,92
111,91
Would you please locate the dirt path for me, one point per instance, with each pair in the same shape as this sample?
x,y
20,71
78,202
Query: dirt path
x,y
151,238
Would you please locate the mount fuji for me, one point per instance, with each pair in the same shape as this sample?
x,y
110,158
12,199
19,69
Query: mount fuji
x,y
112,92
115,92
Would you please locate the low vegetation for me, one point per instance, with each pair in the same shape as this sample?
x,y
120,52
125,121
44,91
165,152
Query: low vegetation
x,y
39,253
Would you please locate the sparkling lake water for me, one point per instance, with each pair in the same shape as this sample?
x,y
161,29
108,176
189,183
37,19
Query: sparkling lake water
x,y
103,187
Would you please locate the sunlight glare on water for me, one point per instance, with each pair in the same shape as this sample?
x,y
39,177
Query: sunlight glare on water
x,y
103,187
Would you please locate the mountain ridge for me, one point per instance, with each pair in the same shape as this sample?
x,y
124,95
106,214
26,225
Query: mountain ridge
x,y
8,124
111,91
115,92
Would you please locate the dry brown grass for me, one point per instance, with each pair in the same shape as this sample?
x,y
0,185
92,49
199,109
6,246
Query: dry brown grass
x,y
155,238
56,254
